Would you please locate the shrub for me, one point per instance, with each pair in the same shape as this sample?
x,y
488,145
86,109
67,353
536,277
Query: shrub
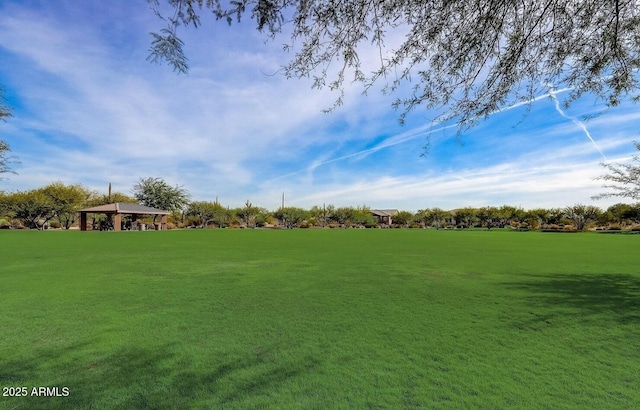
x,y
54,225
615,227
635,228
4,224
17,224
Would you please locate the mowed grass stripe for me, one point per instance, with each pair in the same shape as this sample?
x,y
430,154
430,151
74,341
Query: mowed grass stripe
x,y
321,319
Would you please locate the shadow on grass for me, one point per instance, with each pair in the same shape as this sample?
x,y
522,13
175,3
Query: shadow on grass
x,y
136,377
617,295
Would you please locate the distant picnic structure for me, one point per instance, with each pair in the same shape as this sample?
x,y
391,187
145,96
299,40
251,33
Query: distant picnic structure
x,y
118,209
383,216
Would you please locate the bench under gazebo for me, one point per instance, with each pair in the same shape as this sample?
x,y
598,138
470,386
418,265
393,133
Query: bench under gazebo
x,y
118,209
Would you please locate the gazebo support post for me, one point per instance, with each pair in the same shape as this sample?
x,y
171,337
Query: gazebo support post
x,y
117,222
83,221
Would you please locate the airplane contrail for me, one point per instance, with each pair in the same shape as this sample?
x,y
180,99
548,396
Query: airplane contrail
x,y
551,94
576,121
365,151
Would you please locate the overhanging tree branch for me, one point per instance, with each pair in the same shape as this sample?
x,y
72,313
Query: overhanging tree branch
x,y
466,58
622,179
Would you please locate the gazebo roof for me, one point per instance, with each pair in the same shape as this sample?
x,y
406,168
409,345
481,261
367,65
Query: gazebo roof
x,y
384,212
124,208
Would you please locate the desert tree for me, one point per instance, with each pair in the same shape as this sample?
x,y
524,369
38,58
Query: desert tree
x,y
248,214
403,218
466,216
291,216
624,213
435,217
510,215
156,193
538,217
487,216
5,149
362,216
468,57
321,214
34,208
207,212
623,179
66,201
347,216
5,110
96,198
581,215
5,158
5,205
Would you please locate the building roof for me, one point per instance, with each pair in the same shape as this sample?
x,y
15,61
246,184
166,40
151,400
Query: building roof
x,y
384,212
124,208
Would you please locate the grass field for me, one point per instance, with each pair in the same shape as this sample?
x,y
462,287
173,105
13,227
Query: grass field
x,y
317,319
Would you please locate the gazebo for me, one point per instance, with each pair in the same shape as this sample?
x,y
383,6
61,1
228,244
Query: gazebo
x,y
118,209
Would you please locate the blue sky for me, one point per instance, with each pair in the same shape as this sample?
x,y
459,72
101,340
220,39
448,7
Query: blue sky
x,y
89,108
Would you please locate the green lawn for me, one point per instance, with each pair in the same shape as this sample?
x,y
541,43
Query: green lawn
x,y
320,319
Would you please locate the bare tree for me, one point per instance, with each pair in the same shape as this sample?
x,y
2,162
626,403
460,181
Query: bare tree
x,y
5,159
623,179
5,110
468,58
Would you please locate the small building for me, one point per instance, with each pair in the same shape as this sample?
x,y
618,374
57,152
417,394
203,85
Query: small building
x,y
383,216
118,209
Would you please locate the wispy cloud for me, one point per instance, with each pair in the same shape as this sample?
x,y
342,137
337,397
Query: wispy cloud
x,y
95,111
424,131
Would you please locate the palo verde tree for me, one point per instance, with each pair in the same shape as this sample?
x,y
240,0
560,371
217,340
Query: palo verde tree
x,y
403,218
467,57
487,216
207,212
66,201
156,193
624,213
291,216
435,217
33,207
96,199
466,217
622,179
581,215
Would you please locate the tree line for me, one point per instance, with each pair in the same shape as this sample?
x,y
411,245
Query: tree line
x,y
577,217
57,205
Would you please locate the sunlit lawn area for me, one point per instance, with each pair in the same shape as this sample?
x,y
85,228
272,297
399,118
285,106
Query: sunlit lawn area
x,y
320,319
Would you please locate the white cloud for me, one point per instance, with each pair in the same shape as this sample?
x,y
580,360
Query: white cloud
x,y
90,109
